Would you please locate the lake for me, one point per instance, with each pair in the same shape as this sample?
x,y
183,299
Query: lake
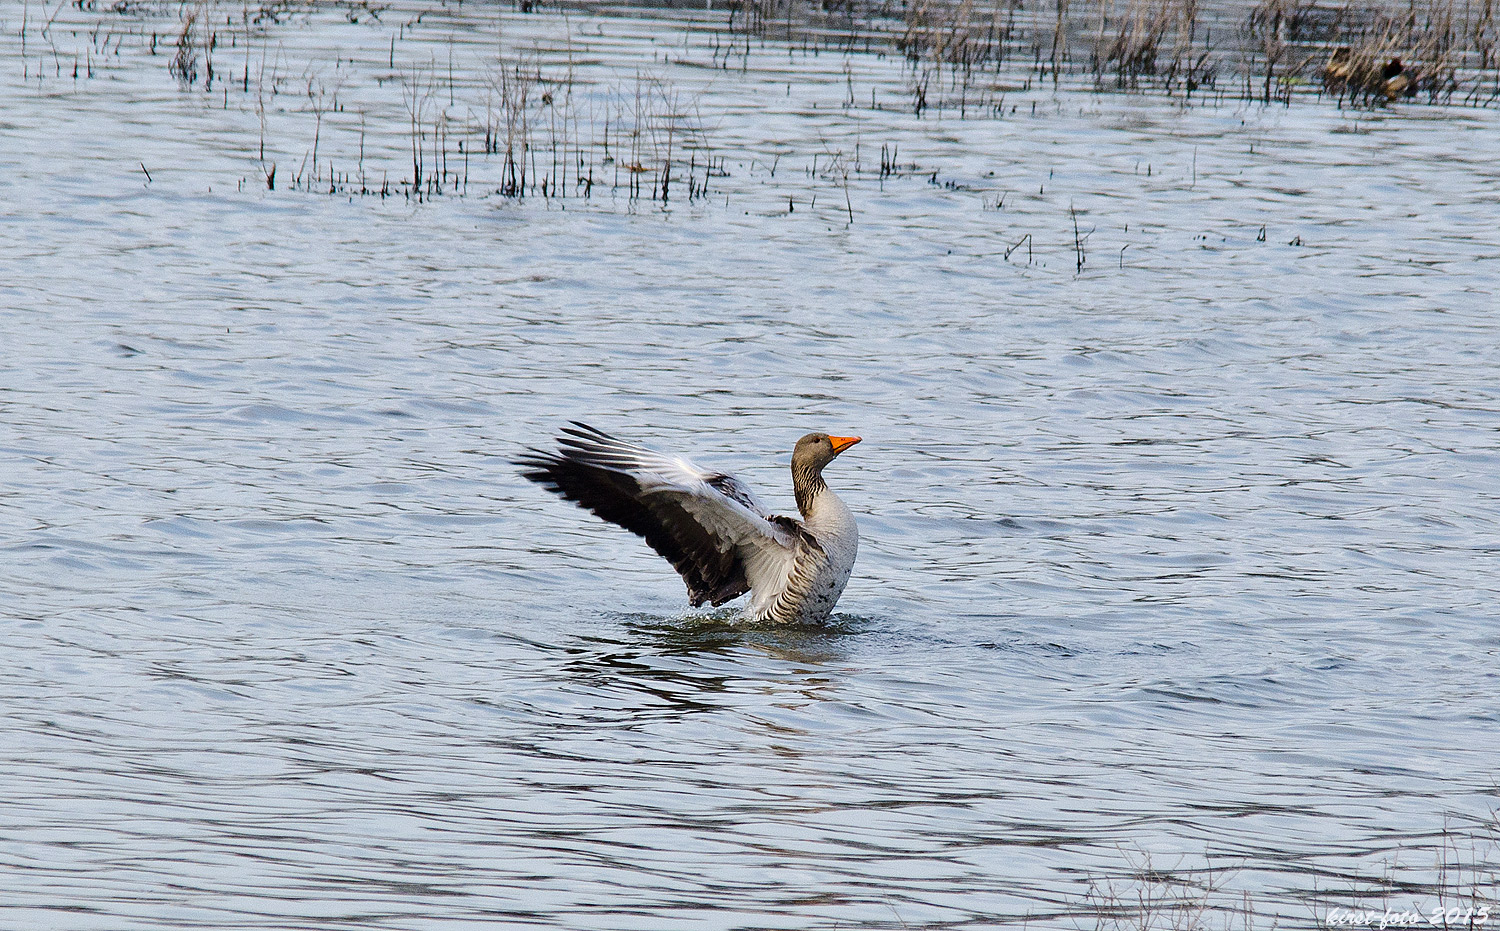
x,y
1177,602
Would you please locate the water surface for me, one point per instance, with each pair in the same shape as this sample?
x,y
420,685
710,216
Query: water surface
x,y
1178,583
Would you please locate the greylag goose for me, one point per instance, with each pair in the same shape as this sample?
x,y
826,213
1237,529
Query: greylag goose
x,y
710,526
1395,80
1362,73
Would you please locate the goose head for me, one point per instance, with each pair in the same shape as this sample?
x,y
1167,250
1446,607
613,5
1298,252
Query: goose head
x,y
816,450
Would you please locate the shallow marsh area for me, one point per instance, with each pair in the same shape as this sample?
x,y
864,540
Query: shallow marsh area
x,y
1177,600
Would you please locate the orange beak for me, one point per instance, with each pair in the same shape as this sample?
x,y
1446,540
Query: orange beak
x,y
841,443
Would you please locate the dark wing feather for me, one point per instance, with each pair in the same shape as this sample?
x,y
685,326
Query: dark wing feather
x,y
593,477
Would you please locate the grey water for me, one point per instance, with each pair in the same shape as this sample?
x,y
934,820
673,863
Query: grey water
x,y
1178,597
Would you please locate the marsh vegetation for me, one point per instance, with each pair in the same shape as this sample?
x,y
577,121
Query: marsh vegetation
x,y
546,119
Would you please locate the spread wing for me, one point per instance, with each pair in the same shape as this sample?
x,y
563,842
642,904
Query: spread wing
x,y
708,525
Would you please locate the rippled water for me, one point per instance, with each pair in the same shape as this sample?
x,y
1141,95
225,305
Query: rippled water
x,y
1179,579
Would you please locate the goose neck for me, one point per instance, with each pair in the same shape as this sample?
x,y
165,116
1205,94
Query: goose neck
x,y
808,484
